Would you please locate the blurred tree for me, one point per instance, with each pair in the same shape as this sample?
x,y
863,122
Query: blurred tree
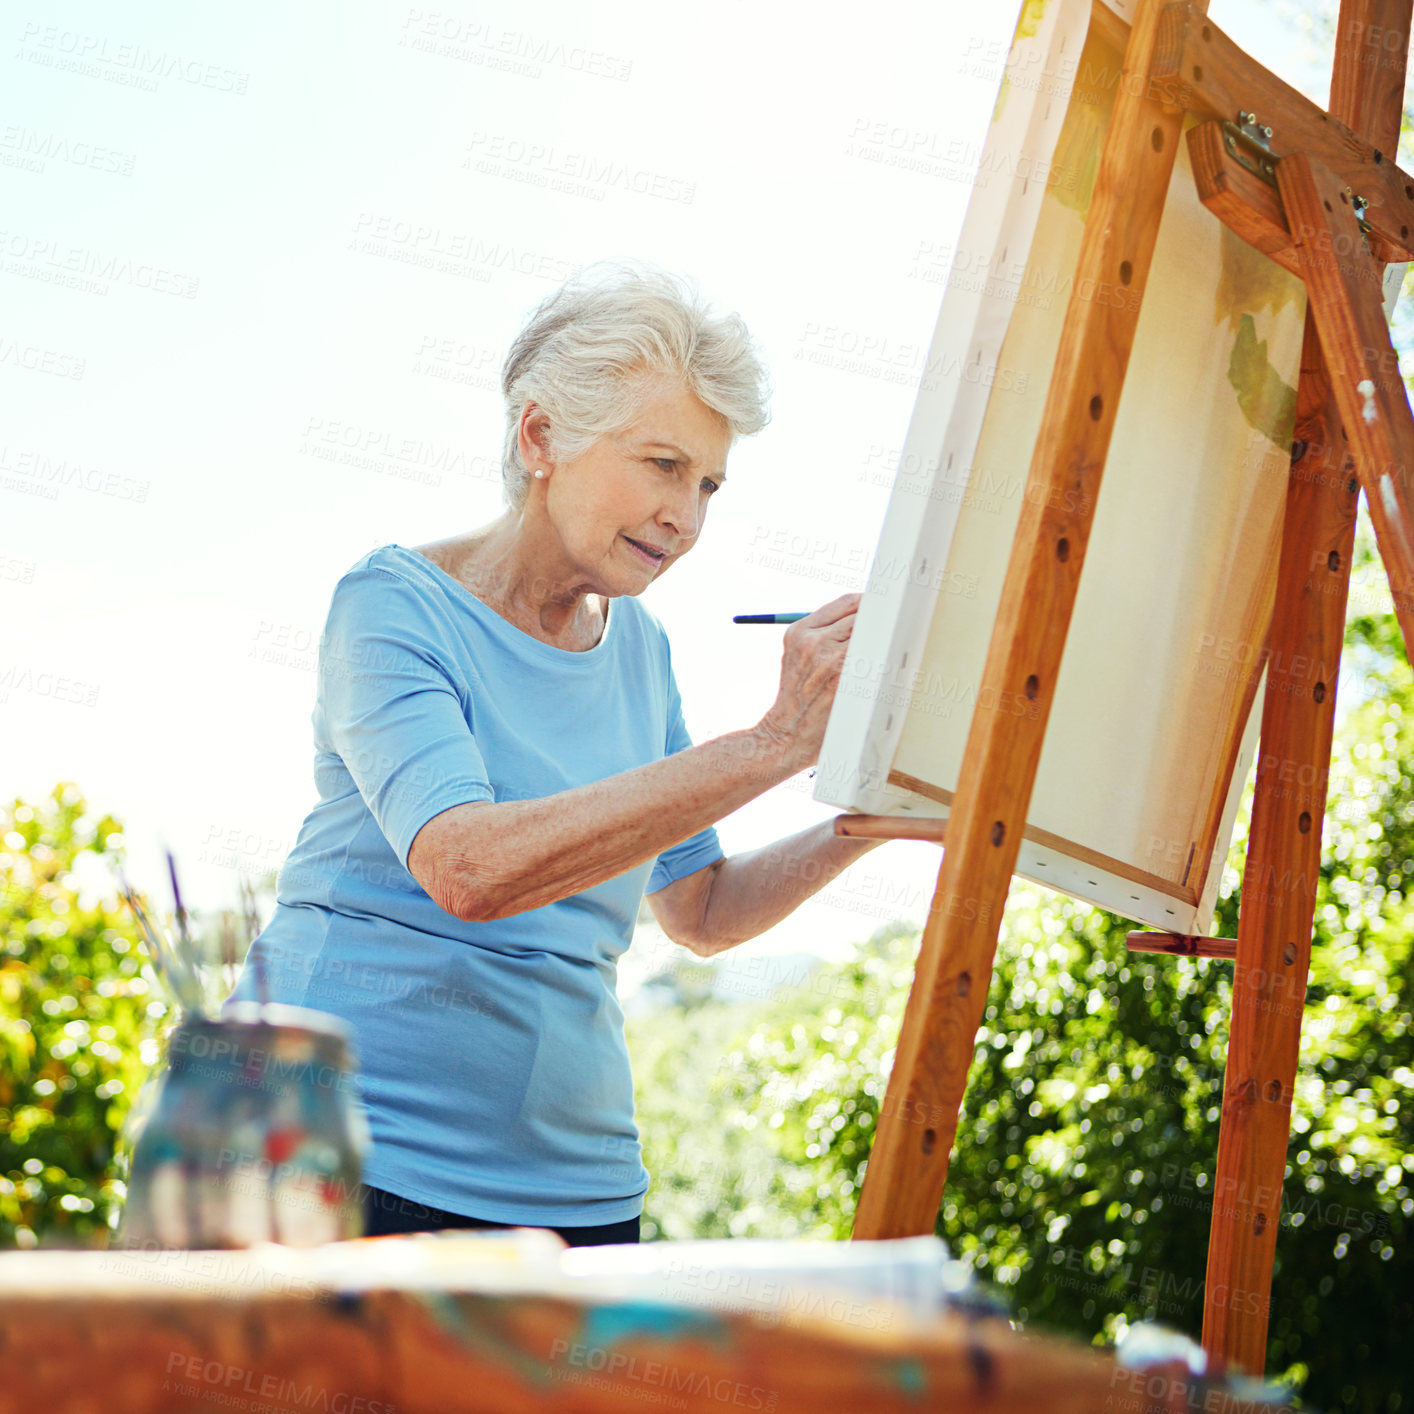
x,y
78,1021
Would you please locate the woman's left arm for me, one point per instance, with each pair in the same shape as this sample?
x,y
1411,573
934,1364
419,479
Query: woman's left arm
x,y
740,897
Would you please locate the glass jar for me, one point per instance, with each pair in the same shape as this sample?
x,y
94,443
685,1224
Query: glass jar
x,y
256,1135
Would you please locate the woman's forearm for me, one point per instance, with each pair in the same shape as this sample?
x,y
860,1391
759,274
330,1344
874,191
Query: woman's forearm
x,y
484,861
753,891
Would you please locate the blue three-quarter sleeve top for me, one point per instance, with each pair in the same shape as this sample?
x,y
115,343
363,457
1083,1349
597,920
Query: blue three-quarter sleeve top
x,y
494,1075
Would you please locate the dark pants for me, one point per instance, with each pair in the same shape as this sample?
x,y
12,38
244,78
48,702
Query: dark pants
x,y
387,1213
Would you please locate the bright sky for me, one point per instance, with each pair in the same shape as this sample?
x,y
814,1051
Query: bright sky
x,y
259,266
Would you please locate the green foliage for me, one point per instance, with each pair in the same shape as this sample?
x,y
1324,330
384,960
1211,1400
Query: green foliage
x,y
1082,1183
77,1022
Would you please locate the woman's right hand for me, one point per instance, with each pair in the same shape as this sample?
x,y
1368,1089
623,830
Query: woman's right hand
x,y
812,656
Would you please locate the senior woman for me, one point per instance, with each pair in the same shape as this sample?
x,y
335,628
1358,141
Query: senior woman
x,y
503,771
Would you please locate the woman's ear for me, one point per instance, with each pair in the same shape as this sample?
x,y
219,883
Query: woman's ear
x,y
534,438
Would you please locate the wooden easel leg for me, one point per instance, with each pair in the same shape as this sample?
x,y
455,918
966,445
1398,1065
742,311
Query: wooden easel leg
x,y
919,1117
1269,983
1283,860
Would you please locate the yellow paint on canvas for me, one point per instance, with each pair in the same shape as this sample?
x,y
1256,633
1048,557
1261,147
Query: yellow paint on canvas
x,y
1001,98
1028,22
1249,284
1028,25
1077,158
1267,402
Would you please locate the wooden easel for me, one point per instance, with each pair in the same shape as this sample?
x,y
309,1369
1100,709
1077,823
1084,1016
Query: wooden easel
x,y
1321,194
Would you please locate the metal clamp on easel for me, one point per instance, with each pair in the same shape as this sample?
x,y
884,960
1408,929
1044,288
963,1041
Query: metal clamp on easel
x,y
1249,143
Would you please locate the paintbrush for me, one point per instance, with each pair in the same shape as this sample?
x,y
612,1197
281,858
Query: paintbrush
x,y
180,980
180,914
175,969
252,923
188,955
227,937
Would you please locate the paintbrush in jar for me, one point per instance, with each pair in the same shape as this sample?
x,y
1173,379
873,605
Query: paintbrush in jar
x,y
180,980
252,924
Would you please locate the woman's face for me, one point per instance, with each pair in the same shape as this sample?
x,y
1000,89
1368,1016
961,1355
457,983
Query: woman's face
x,y
621,512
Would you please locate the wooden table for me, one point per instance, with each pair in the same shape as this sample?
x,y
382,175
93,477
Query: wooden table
x,y
272,1331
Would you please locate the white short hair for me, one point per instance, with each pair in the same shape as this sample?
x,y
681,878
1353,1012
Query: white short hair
x,y
592,351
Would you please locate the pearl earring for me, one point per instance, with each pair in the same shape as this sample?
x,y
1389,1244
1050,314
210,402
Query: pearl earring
x,y
540,473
